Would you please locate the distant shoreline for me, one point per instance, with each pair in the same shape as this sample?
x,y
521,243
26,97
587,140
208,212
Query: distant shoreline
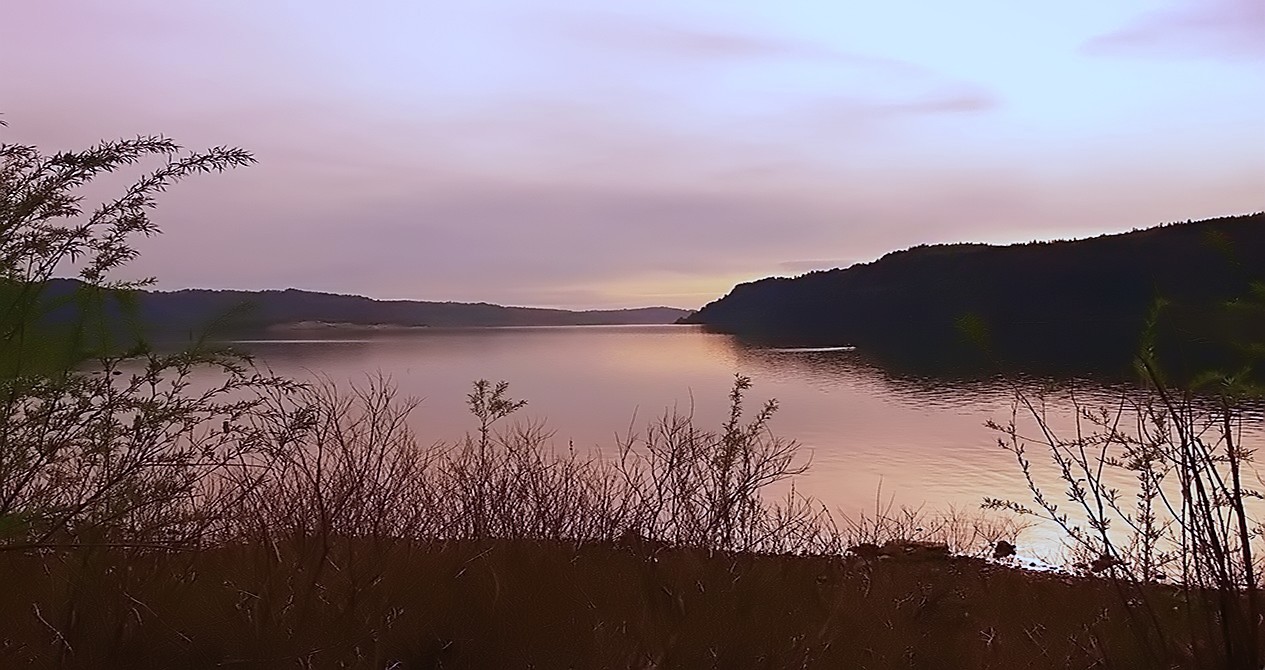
x,y
302,326
326,326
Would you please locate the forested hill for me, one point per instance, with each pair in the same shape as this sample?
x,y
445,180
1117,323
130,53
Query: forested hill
x,y
250,312
1074,303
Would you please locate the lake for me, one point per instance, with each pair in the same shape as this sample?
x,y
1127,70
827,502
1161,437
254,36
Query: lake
x,y
921,440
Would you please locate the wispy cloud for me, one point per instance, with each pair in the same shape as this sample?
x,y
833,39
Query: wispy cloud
x,y
663,39
1230,29
956,100
860,113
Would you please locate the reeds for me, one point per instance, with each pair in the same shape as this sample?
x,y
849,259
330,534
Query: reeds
x,y
329,535
309,506
346,464
1159,487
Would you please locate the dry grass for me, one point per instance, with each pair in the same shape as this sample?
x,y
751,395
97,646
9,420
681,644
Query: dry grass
x,y
349,543
547,604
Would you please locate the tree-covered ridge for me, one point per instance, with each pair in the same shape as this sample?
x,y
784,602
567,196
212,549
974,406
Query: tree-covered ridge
x,y
1079,302
236,312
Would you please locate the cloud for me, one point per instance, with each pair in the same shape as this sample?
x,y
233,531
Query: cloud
x,y
655,38
1227,29
961,99
859,114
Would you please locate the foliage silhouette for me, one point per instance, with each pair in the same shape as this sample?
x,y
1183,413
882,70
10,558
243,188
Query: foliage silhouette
x,y
1080,305
174,314
1193,515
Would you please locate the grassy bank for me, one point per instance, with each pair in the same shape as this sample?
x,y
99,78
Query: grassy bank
x,y
150,521
540,604
329,536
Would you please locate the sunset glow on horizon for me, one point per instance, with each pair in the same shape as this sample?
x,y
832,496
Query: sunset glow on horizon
x,y
620,154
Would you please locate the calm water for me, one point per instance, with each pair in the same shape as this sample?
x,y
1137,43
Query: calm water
x,y
923,441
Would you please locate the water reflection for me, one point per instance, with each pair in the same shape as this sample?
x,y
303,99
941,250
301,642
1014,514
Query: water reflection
x,y
922,438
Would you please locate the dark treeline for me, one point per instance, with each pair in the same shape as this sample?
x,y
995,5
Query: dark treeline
x,y
251,312
1065,305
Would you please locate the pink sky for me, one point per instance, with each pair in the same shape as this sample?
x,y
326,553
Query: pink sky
x,y
545,152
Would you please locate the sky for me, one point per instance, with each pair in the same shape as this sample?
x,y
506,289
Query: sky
x,y
642,152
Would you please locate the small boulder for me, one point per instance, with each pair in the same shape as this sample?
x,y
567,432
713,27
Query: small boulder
x,y
866,550
1003,549
912,549
1104,562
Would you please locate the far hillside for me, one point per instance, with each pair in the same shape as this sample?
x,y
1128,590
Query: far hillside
x,y
200,311
1080,304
